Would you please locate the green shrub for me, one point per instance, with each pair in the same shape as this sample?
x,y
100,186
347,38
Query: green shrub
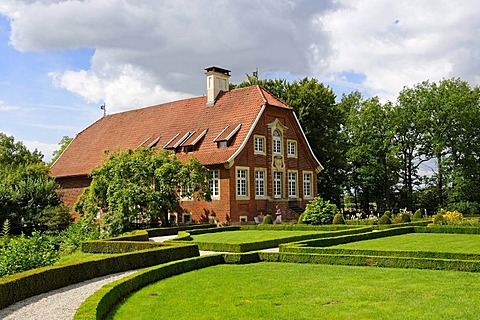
x,y
405,217
418,215
388,213
319,211
56,218
466,207
268,219
25,253
71,238
438,219
338,219
385,219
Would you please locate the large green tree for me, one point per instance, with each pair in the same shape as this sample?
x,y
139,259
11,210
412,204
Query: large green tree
x,y
141,183
322,121
26,191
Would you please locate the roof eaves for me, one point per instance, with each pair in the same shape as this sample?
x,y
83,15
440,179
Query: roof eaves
x,y
232,157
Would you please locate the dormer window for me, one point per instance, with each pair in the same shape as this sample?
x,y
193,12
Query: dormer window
x,y
277,142
222,144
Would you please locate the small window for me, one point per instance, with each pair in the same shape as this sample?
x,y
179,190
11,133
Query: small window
x,y
243,219
292,184
215,183
242,183
260,183
188,149
187,218
277,142
277,184
307,184
222,144
292,148
259,145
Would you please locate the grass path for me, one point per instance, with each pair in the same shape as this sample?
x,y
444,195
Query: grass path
x,y
243,236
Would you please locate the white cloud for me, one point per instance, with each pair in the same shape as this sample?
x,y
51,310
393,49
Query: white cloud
x,y
404,42
45,148
152,51
5,108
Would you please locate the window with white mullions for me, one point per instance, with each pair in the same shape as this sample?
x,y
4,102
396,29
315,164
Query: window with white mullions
x,y
277,184
292,184
241,183
215,183
277,142
259,183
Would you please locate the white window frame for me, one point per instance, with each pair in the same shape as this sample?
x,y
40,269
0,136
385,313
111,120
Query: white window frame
x,y
292,184
292,148
276,142
242,183
260,185
259,144
308,184
214,183
277,184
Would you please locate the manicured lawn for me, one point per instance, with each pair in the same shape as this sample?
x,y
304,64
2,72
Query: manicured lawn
x,y
463,243
306,291
79,256
242,236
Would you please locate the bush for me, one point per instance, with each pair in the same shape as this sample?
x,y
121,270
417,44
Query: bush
x,y
405,217
388,214
452,217
338,219
56,218
467,207
385,219
438,219
71,239
25,253
418,215
319,211
268,219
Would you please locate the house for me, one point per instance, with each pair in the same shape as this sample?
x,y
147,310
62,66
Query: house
x,y
251,142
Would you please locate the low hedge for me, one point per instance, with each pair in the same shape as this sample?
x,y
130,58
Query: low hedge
x,y
137,235
170,231
406,224
332,241
98,305
301,227
432,228
259,245
372,261
384,253
105,246
22,285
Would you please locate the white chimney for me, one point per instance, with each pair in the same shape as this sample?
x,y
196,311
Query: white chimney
x,y
217,82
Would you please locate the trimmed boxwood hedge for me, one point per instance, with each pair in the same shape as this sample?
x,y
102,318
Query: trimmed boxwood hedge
x,y
98,305
373,261
259,245
103,246
170,231
301,227
405,224
137,235
432,228
22,285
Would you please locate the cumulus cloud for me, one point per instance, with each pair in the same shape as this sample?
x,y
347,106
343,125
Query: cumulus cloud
x,y
405,42
152,51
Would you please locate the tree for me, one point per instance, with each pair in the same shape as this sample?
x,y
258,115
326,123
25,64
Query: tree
x,y
26,190
64,142
322,121
370,153
142,183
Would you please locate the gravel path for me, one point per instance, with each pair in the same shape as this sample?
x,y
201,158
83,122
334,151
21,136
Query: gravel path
x,y
62,303
58,304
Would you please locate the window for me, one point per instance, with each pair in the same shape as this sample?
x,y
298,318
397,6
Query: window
x,y
187,218
242,183
186,193
277,142
292,148
292,184
259,183
215,183
222,144
259,145
307,184
277,184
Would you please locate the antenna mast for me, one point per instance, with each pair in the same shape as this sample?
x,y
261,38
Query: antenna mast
x,y
104,108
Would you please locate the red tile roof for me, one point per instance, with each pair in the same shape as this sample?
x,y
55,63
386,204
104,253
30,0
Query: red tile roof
x,y
166,124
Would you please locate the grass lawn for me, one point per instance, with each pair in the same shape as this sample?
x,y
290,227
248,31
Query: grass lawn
x,y
462,243
307,291
79,256
242,236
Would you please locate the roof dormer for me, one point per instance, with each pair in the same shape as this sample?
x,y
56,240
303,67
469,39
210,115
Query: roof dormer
x,y
217,82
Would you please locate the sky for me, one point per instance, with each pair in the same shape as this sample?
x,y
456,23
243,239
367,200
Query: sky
x,y
61,60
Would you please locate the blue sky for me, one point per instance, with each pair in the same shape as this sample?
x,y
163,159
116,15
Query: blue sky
x,y
61,59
